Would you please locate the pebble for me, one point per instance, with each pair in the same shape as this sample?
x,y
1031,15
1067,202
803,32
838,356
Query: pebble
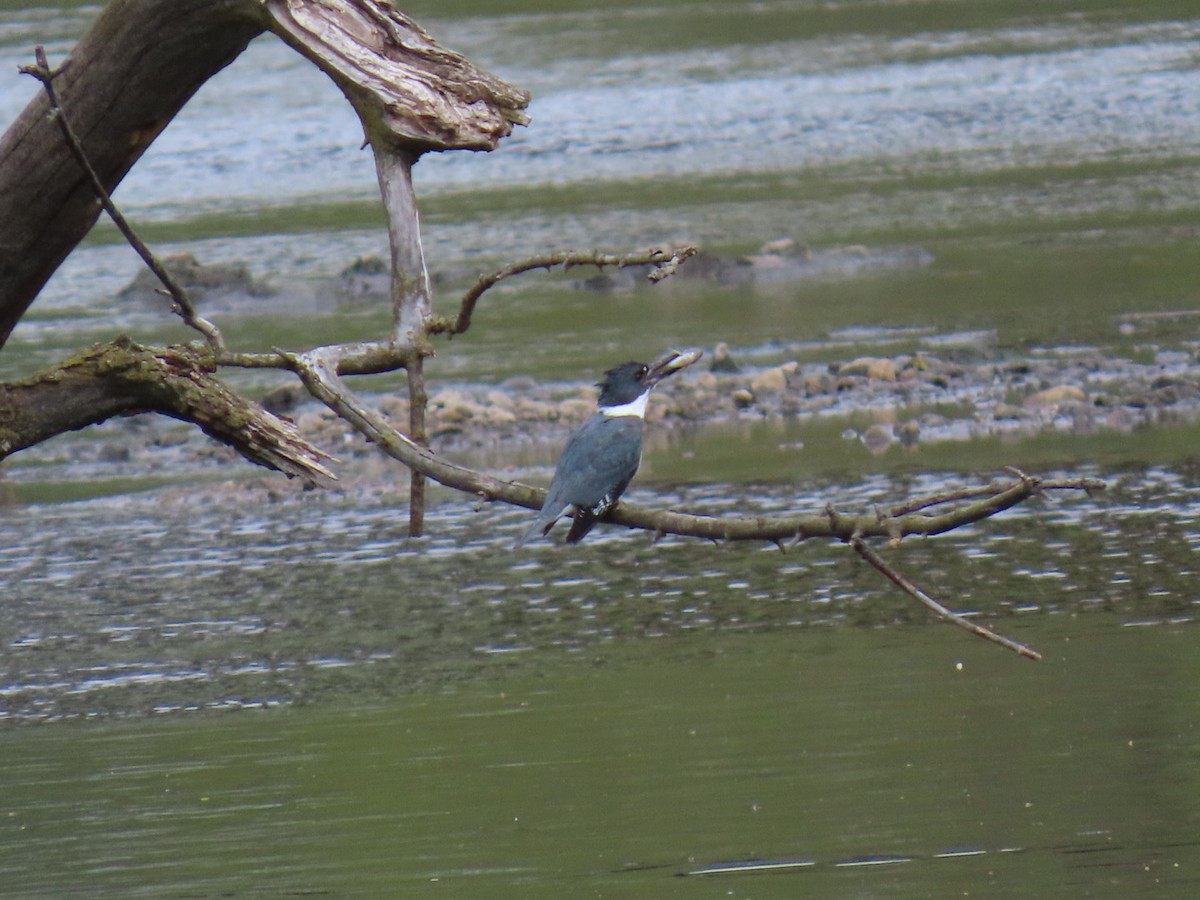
x,y
871,367
1057,396
772,381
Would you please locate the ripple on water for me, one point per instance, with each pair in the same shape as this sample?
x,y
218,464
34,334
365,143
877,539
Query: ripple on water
x,y
169,606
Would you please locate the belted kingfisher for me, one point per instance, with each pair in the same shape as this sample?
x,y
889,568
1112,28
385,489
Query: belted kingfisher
x,y
602,455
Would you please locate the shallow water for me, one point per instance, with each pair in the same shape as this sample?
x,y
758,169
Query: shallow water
x,y
443,715
235,689
172,600
613,774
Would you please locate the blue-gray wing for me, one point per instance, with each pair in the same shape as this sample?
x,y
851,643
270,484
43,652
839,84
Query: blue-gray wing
x,y
598,462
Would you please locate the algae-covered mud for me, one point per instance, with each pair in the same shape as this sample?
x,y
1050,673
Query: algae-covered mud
x,y
941,238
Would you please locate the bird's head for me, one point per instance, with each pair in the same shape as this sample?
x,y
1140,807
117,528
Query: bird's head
x,y
626,384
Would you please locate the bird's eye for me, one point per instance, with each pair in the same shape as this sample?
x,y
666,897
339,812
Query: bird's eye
x,y
643,372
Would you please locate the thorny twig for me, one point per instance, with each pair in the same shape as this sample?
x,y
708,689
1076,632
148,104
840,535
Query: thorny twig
x,y
180,300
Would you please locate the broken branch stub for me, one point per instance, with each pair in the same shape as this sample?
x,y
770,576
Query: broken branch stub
x,y
123,377
408,90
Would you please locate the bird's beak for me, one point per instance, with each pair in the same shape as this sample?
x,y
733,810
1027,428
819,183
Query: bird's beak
x,y
675,361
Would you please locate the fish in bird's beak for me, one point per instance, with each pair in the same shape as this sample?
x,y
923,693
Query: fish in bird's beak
x,y
675,361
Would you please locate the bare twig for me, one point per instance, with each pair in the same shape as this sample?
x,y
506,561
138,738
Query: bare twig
x,y
904,509
356,358
665,264
868,553
181,303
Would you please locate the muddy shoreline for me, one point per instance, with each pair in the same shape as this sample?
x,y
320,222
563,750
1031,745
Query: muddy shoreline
x,y
912,401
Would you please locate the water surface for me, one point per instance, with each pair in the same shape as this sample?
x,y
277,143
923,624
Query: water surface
x,y
215,685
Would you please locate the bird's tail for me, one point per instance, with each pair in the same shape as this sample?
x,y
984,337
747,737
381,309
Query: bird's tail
x,y
583,522
542,523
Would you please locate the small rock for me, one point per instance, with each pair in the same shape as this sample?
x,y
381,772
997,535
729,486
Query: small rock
x,y
114,453
721,360
284,399
366,280
451,406
909,434
1063,393
496,415
870,366
773,381
878,437
499,400
813,385
203,282
310,423
742,398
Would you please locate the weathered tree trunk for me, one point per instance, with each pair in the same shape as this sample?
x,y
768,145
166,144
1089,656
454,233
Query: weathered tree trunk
x,y
128,77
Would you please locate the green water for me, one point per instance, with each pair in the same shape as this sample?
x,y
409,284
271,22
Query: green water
x,y
611,773
284,696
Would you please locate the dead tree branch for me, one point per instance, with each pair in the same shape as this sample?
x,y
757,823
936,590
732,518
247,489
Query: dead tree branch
x,y
180,301
124,377
412,95
868,553
122,83
664,264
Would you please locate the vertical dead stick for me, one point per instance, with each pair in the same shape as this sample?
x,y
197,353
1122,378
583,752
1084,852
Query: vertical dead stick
x,y
183,305
866,552
410,298
417,401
